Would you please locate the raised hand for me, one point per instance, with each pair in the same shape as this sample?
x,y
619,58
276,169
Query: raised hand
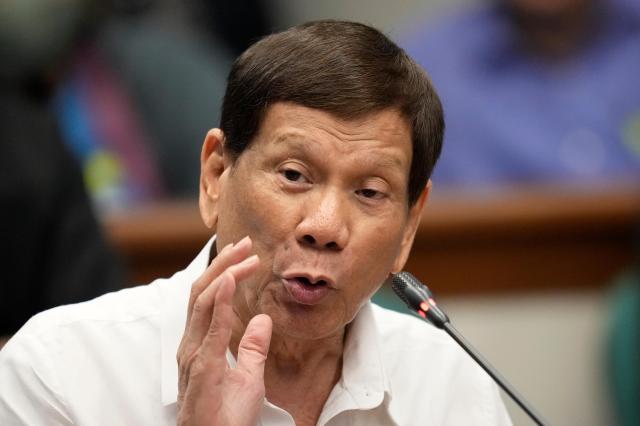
x,y
210,392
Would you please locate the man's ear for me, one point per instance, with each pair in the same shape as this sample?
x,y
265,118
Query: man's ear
x,y
211,168
415,214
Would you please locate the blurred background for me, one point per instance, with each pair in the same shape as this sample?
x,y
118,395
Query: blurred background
x,y
531,239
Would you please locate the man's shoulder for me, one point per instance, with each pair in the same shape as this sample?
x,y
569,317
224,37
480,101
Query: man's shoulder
x,y
407,343
90,357
133,315
415,353
125,305
405,330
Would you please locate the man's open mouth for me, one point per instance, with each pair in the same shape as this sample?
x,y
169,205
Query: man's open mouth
x,y
307,282
306,291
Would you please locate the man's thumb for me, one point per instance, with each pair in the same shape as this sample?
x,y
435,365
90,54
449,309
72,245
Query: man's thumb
x,y
254,346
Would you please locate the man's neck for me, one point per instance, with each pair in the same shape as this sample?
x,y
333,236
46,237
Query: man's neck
x,y
299,373
291,358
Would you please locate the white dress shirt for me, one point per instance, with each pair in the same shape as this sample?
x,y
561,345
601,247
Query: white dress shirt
x,y
112,361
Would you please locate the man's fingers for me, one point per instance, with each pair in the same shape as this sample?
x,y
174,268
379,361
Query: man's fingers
x,y
215,343
217,327
242,270
204,305
254,346
228,256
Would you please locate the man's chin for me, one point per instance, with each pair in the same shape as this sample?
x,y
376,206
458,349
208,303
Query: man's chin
x,y
307,326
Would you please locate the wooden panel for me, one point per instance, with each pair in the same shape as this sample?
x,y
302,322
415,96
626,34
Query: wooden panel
x,y
518,239
157,240
526,239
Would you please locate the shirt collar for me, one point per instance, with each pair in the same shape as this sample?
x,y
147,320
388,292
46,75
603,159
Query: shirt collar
x,y
364,384
363,370
363,374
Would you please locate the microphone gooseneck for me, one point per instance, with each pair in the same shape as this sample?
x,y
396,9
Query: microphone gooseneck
x,y
419,299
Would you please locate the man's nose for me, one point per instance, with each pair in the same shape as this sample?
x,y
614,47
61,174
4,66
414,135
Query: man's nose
x,y
324,225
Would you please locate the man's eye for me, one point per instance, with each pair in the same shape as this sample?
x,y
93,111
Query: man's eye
x,y
293,175
369,193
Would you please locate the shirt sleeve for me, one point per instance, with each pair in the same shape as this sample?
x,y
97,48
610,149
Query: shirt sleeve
x,y
29,389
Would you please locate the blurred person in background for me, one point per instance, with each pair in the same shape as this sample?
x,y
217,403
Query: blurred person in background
x,y
53,250
142,88
132,70
545,92
537,91
105,81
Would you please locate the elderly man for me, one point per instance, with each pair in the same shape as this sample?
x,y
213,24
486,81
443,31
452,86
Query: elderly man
x,y
315,184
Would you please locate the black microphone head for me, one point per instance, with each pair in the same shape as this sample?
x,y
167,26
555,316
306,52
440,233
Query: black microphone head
x,y
409,289
418,298
399,286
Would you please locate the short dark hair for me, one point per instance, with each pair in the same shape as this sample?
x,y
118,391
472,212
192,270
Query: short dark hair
x,y
345,68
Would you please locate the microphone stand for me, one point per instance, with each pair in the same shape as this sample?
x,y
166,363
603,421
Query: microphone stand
x,y
418,298
499,379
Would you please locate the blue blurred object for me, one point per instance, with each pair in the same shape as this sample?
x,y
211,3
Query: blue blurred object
x,y
100,124
515,117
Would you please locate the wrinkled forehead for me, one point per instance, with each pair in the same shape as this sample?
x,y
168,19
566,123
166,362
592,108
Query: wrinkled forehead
x,y
386,131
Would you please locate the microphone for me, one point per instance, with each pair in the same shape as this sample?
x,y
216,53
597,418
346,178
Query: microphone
x,y
419,299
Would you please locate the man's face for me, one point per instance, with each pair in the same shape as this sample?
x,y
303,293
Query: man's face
x,y
325,202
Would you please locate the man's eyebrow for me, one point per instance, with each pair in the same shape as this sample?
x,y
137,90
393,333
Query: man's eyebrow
x,y
290,136
297,142
300,142
385,161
